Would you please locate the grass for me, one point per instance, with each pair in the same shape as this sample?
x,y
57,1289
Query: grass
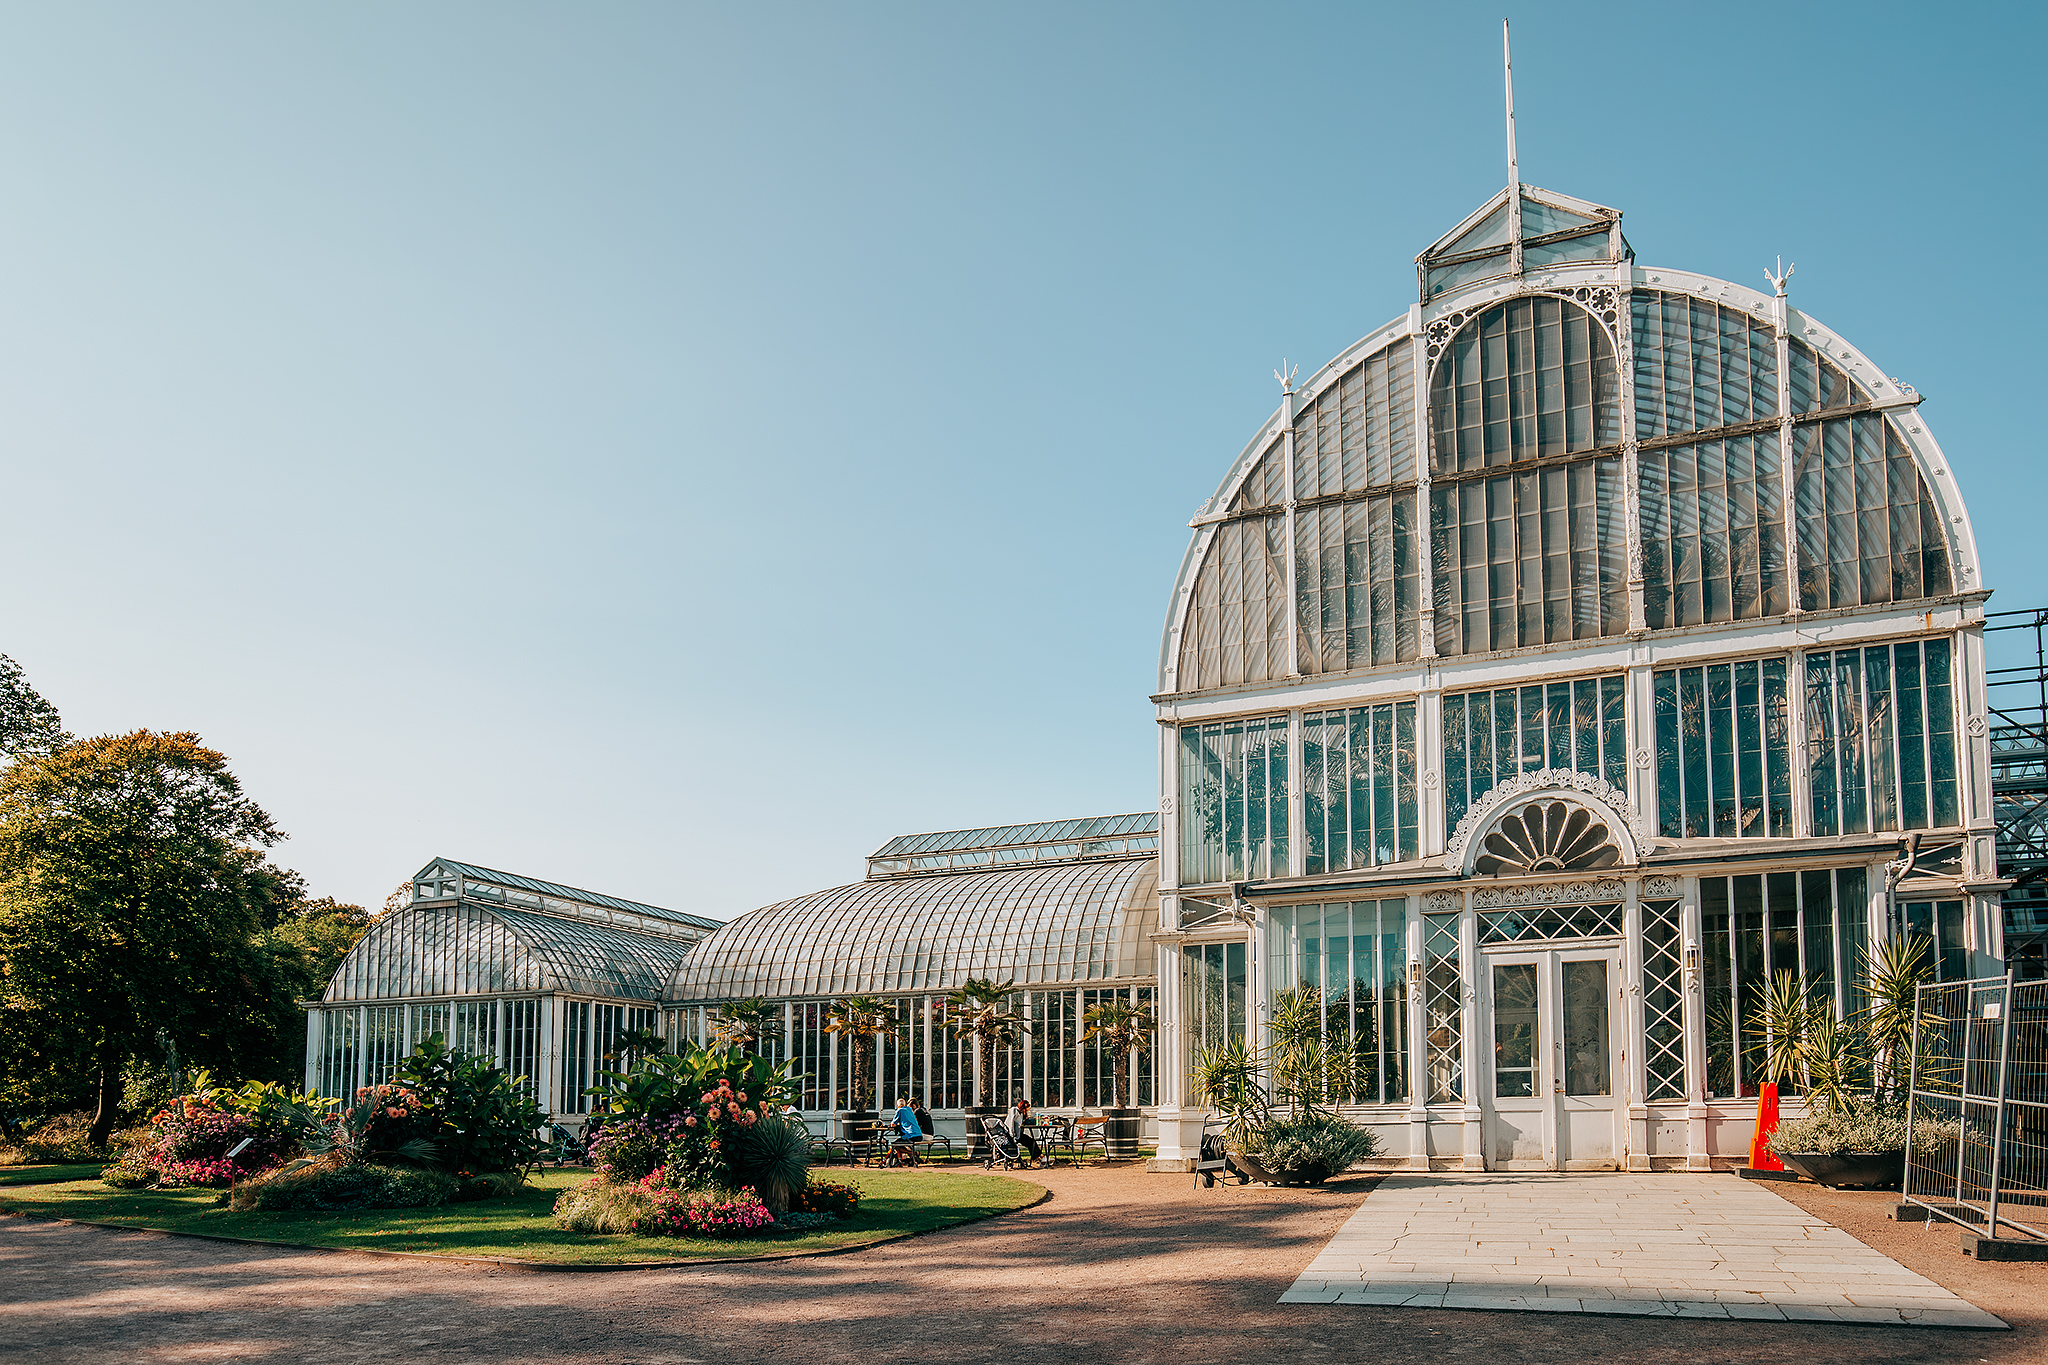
x,y
36,1175
893,1203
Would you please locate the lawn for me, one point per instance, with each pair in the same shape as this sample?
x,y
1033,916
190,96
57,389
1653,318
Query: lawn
x,y
41,1175
892,1203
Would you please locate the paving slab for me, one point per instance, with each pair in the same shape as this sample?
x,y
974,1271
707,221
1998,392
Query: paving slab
x,y
1676,1245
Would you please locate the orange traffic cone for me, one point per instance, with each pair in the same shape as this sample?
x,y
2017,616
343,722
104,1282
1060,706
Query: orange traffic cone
x,y
1760,1158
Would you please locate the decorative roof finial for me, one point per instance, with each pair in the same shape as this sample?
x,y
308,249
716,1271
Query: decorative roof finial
x,y
1778,280
1286,377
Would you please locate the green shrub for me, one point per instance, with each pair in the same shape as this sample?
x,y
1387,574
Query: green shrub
x,y
352,1187
1306,1142
1861,1125
127,1174
601,1206
484,1119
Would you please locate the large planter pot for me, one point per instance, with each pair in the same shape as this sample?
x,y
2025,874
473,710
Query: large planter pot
x,y
857,1128
1120,1133
1253,1167
977,1115
1848,1168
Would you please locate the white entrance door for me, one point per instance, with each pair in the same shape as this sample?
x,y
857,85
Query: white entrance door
x,y
1557,1062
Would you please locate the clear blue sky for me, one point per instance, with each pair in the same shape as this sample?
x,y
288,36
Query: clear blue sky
x,y
671,449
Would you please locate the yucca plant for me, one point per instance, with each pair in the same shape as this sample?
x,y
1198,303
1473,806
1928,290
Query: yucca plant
x,y
1229,1077
1833,1058
1784,1017
1895,972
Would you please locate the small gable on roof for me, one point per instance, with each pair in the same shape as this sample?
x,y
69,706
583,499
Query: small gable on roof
x,y
1495,241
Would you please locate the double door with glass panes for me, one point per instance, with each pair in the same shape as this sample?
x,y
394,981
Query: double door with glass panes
x,y
1555,1093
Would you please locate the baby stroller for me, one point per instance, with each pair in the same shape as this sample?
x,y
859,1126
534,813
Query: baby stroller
x,y
1003,1149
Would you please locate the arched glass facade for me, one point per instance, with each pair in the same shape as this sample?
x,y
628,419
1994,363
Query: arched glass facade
x,y
540,977
1066,909
1695,579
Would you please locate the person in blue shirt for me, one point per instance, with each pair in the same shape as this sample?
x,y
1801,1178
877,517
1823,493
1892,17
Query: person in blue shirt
x,y
903,1149
906,1121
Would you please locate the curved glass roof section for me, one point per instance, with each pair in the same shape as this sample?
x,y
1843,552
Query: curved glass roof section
x,y
444,878
1480,449
470,949
1082,921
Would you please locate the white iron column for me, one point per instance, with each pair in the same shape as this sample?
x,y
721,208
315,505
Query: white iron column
x,y
1474,1156
1697,1156
1418,1036
1635,1079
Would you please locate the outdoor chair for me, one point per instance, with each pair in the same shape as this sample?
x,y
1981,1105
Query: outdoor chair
x,y
824,1149
1213,1161
1090,1133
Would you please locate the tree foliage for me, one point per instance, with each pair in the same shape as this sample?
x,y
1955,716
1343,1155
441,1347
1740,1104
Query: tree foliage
x,y
131,887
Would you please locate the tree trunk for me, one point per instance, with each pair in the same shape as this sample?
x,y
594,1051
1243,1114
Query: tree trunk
x,y
109,1111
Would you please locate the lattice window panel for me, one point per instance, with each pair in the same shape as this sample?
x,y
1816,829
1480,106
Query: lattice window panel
x,y
1663,1002
1541,923
1443,1008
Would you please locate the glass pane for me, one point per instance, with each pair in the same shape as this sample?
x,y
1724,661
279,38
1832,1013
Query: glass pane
x,y
1514,1029
1585,1028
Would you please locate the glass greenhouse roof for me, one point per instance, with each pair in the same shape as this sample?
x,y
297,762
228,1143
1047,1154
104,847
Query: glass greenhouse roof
x,y
1077,921
471,949
1047,841
446,878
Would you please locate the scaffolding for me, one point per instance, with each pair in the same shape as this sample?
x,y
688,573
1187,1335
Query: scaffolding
x,y
2018,702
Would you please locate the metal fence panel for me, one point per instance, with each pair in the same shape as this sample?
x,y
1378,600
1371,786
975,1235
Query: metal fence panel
x,y
1977,1149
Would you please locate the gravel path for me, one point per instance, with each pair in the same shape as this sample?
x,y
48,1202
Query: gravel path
x,y
1120,1266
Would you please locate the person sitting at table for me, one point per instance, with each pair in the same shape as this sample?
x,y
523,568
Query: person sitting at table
x,y
924,1117
1020,1130
903,1147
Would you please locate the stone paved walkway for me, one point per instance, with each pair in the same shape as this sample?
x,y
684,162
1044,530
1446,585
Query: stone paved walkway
x,y
1689,1246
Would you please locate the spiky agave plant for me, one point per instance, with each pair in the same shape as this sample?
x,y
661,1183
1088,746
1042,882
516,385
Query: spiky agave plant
x,y
774,1156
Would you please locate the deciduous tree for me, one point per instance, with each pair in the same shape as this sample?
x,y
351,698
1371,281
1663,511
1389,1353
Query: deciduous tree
x,y
129,901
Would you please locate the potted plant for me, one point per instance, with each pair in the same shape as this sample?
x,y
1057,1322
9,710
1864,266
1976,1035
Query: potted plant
x,y
1124,1029
860,1019
1277,1126
744,1023
1854,1131
980,1010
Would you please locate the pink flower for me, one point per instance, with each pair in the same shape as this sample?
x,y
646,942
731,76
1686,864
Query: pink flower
x,y
689,1120
742,1096
396,1113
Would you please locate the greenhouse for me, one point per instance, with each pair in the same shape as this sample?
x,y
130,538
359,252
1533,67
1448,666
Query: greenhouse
x,y
1554,667
1065,909
541,977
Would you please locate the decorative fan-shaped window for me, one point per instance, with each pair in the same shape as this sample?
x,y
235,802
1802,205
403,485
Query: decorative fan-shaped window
x,y
1547,836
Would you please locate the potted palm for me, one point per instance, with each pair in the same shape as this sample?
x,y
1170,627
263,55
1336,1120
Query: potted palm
x,y
860,1019
1854,1130
1123,1029
744,1023
1277,1123
980,1010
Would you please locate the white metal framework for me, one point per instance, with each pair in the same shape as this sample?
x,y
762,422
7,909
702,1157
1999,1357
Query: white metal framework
x,y
541,977
1603,628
